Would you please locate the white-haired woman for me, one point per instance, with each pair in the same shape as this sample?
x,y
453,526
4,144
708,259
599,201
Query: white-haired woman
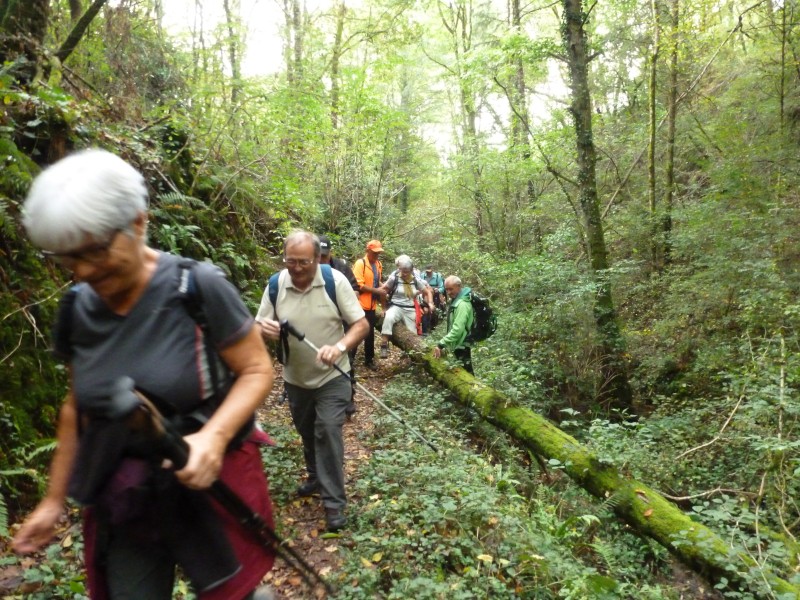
x,y
129,317
402,287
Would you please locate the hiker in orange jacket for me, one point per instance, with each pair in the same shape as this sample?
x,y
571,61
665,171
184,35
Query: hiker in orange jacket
x,y
369,272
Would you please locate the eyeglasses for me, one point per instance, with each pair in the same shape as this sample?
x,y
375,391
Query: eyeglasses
x,y
294,262
94,254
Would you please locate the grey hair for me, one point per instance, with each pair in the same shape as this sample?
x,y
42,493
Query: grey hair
x,y
299,236
404,262
89,193
453,280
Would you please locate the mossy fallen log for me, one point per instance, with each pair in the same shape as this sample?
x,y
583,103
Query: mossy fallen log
x,y
641,507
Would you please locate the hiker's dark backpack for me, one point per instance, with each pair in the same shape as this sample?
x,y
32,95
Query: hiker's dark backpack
x,y
484,323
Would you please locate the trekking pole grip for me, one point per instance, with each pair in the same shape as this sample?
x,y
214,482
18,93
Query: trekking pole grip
x,y
292,329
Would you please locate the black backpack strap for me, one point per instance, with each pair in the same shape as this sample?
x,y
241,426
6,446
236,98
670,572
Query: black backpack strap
x,y
192,297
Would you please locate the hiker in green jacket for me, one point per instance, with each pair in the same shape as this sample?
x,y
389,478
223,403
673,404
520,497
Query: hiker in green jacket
x,y
459,320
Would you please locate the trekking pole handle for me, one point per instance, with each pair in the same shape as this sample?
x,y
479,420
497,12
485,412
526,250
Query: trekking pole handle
x,y
293,330
175,447
302,337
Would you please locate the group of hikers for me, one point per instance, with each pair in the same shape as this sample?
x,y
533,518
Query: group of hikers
x,y
179,335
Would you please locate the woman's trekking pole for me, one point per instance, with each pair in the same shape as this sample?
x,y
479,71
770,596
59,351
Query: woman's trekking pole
x,y
126,399
302,337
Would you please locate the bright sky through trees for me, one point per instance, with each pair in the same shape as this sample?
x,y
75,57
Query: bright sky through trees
x,y
262,18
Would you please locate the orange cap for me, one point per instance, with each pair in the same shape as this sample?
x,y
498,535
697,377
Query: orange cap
x,y
375,246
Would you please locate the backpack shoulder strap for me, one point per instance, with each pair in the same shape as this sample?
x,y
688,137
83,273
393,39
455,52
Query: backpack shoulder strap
x,y
273,285
192,297
330,283
396,275
65,319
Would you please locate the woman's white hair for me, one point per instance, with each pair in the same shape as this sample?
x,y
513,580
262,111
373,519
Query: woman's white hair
x,y
89,193
404,262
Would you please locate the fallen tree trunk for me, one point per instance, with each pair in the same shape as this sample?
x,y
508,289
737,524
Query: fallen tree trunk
x,y
638,505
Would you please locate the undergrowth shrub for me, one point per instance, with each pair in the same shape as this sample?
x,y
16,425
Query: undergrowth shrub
x,y
731,459
456,525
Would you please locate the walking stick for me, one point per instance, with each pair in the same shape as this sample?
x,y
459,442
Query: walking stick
x,y
302,337
126,400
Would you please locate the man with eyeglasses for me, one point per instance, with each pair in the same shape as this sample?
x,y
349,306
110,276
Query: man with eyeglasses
x,y
318,394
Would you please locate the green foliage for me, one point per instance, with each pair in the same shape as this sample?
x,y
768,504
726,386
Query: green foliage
x,y
59,576
283,461
3,515
458,526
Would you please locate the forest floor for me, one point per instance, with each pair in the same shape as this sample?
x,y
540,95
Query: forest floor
x,y
299,520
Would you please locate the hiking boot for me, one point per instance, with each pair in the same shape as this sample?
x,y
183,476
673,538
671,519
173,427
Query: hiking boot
x,y
334,519
371,365
308,487
385,351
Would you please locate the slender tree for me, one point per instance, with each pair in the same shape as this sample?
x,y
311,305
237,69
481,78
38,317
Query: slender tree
x,y
79,30
651,148
457,18
672,118
75,10
234,55
617,391
520,128
336,56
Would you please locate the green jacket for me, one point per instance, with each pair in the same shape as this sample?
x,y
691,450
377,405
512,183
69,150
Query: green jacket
x,y
459,320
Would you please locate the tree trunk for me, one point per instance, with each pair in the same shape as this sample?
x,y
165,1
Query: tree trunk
x,y
232,23
336,55
615,389
297,29
651,149
520,127
79,30
75,10
672,117
458,23
641,507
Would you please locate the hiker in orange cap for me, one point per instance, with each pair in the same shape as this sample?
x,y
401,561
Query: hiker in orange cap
x,y
369,272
